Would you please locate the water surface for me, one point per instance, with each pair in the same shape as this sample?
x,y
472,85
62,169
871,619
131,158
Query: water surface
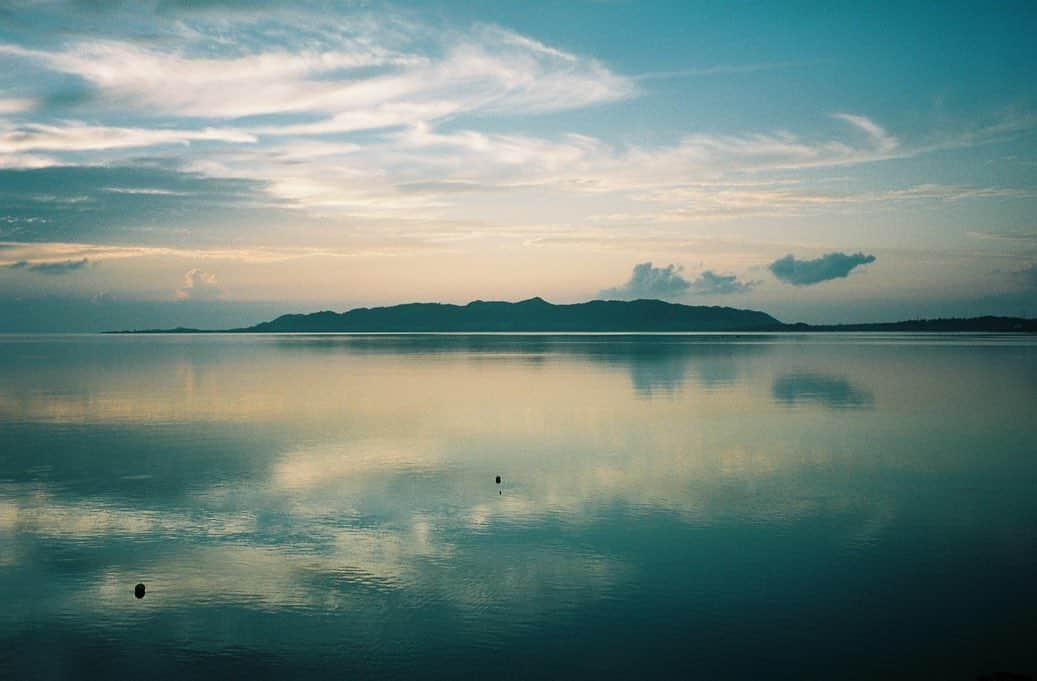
x,y
711,506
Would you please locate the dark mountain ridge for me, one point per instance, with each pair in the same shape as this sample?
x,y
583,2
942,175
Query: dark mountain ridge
x,y
940,325
596,316
534,314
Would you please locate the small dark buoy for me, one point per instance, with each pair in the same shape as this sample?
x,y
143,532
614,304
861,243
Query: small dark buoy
x,y
498,479
138,591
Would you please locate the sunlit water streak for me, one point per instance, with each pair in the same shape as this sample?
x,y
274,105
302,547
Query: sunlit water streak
x,y
750,506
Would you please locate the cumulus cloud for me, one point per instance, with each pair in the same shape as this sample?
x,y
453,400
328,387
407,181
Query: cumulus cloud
x,y
647,281
710,283
808,272
199,285
63,267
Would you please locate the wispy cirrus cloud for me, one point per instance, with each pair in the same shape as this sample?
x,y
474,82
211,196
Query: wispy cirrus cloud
x,y
721,200
716,70
53,256
703,176
1025,236
62,267
882,139
236,95
358,78
74,136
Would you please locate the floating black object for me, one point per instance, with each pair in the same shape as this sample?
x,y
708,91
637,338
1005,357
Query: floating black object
x,y
498,479
138,591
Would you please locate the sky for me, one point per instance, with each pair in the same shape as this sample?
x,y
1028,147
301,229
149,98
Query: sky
x,y
216,163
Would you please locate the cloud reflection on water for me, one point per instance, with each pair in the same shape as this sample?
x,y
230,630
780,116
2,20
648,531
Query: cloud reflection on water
x,y
801,387
337,474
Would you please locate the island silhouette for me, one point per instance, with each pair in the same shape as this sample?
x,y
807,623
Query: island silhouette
x,y
595,316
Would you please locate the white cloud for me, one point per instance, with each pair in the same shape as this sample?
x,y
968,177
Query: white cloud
x,y
13,105
78,136
273,105
199,285
945,192
883,140
131,74
148,191
355,81
717,201
421,169
27,161
13,252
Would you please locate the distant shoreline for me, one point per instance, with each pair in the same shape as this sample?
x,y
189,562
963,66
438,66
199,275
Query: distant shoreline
x,y
536,315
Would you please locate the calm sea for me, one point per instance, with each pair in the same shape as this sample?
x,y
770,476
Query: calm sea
x,y
670,506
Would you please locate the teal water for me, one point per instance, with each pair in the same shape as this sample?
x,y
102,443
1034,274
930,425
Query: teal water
x,y
672,506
